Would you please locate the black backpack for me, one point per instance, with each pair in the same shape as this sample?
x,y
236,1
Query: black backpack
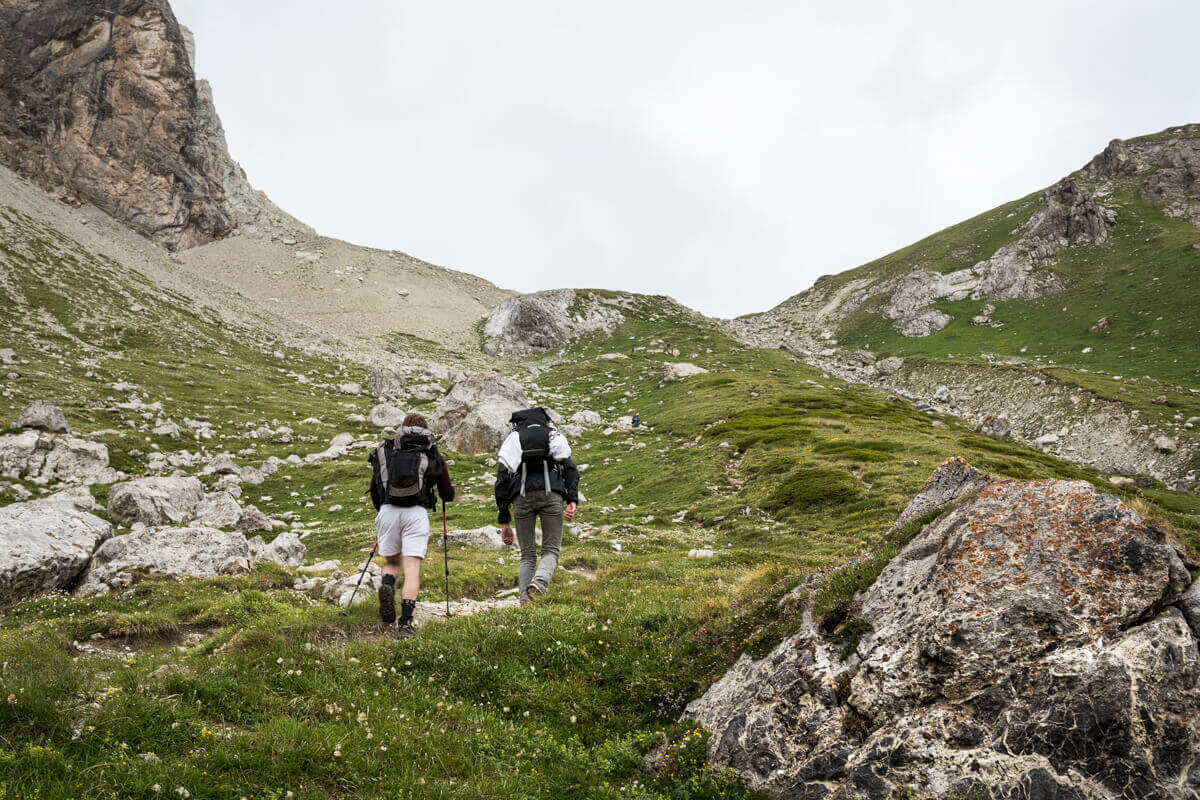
x,y
533,427
405,470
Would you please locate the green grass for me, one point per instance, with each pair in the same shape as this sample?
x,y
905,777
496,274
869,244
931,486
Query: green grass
x,y
241,687
1143,279
807,488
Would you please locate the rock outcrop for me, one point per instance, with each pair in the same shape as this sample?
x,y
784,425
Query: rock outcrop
x,y
101,105
473,417
546,320
188,552
45,544
682,369
286,549
487,538
386,383
43,416
1027,643
1069,216
155,501
1172,164
217,510
43,458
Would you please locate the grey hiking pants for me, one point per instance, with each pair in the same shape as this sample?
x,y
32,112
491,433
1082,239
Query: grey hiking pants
x,y
527,511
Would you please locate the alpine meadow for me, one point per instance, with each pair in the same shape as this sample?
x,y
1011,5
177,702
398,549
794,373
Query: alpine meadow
x,y
927,529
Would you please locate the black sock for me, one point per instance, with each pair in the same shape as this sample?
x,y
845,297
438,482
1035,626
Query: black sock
x,y
407,607
389,580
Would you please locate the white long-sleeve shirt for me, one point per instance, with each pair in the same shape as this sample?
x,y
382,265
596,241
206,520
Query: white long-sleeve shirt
x,y
510,451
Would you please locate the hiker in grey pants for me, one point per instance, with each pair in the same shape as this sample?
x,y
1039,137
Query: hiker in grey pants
x,y
527,511
537,478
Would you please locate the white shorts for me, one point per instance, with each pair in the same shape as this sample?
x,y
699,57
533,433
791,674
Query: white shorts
x,y
403,530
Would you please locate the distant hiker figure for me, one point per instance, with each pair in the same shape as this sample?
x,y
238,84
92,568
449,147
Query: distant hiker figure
x,y
408,474
536,476
637,420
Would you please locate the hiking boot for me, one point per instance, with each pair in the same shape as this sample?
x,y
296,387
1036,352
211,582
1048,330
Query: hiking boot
x,y
536,592
522,598
387,603
405,631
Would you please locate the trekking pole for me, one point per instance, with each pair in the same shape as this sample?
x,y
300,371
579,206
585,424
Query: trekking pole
x,y
360,578
446,557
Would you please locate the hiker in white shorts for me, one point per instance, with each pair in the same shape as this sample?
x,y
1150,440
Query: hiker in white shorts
x,y
405,474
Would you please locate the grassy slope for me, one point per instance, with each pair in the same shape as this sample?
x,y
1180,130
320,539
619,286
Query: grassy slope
x,y
781,470
1144,279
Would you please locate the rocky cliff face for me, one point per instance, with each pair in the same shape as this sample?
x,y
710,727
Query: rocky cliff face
x,y
1029,642
100,104
1171,165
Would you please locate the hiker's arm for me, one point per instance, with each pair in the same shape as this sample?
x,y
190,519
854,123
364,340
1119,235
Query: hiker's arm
x,y
510,452
505,492
570,474
445,487
560,448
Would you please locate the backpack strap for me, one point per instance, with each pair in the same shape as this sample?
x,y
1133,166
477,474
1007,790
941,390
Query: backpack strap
x,y
381,460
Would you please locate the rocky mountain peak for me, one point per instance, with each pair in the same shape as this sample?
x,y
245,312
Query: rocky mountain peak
x,y
101,105
1171,163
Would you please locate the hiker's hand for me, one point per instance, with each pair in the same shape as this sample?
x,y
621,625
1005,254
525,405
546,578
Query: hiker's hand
x,y
506,534
569,512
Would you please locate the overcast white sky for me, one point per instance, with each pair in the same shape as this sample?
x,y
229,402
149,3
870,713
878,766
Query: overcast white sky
x,y
722,153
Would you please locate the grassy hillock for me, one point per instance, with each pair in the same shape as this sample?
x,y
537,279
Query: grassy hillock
x,y
1143,280
240,687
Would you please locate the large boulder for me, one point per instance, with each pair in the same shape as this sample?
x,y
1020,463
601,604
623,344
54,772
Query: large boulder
x,y
44,416
386,383
184,552
339,445
386,415
217,510
156,501
253,520
43,458
487,537
586,419
482,431
45,544
222,464
286,549
1023,644
682,369
889,366
473,417
545,320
